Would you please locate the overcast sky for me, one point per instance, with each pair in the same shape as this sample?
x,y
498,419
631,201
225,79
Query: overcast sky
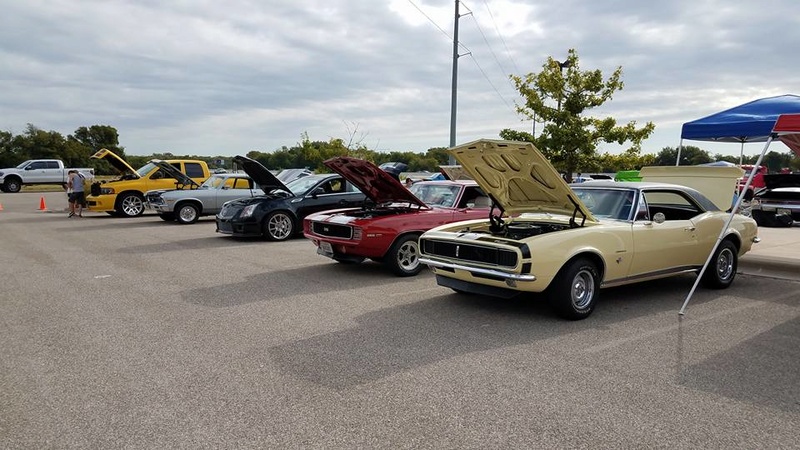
x,y
217,77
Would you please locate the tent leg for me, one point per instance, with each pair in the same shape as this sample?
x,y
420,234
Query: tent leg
x,y
724,228
678,159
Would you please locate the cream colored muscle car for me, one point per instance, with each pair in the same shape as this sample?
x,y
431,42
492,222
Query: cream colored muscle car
x,y
543,235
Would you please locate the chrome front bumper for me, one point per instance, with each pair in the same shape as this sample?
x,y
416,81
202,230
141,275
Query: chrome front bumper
x,y
478,270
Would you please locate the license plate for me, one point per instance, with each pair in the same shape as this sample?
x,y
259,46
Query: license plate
x,y
326,247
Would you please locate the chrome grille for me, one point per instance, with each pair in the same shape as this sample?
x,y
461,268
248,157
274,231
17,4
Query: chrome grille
x,y
468,252
155,199
332,230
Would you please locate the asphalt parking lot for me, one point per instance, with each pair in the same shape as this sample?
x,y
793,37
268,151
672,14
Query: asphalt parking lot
x,y
138,333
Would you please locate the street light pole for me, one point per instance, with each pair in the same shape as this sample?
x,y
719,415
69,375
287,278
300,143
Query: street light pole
x,y
562,66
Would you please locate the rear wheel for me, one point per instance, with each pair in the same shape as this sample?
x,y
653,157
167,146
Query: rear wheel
x,y
403,257
279,226
573,293
130,205
187,213
722,269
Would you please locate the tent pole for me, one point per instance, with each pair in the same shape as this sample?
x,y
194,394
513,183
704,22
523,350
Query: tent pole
x,y
741,153
725,228
678,159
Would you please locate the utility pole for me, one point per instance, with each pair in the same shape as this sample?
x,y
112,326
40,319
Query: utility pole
x,y
451,159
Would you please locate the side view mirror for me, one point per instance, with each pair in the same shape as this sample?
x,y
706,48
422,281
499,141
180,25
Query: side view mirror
x,y
317,191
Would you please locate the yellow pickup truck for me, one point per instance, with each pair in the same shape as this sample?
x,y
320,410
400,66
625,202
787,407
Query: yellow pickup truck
x,y
124,196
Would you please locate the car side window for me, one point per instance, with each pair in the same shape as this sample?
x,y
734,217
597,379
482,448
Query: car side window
x,y
38,165
673,204
52,165
468,198
194,170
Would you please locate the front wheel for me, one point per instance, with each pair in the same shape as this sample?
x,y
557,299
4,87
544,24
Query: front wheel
x,y
187,213
403,257
574,292
722,269
13,185
278,226
130,205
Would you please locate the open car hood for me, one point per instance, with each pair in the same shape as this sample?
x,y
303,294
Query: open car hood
x,y
260,175
454,173
377,184
117,162
782,180
519,178
175,173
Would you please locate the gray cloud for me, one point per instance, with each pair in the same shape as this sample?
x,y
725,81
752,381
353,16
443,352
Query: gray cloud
x,y
212,78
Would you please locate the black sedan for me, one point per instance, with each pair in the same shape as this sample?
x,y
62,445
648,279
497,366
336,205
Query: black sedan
x,y
778,204
278,215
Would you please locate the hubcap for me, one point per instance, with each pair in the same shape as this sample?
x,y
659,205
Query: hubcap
x,y
582,289
408,256
280,226
132,205
188,214
725,264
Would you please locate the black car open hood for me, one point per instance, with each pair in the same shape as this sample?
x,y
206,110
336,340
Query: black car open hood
x,y
782,180
260,175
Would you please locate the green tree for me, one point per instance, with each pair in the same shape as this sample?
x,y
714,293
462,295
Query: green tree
x,y
562,101
97,137
690,156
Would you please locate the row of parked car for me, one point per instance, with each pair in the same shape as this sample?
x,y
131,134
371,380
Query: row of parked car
x,y
514,227
505,223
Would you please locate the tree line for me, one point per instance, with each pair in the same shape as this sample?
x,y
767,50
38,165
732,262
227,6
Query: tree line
x,y
75,150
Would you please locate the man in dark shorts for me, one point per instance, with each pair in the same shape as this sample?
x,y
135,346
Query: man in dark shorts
x,y
77,199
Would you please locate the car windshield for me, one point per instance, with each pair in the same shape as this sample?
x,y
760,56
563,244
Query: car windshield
x,y
145,169
607,203
212,183
301,186
435,194
23,164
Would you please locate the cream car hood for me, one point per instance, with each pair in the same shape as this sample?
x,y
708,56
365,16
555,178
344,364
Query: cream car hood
x,y
519,178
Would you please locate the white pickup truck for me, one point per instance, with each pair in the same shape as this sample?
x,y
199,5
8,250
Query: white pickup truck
x,y
37,171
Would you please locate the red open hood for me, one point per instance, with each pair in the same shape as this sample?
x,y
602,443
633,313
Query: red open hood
x,y
374,182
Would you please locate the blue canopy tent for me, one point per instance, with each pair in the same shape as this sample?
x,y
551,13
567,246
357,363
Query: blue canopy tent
x,y
786,128
750,122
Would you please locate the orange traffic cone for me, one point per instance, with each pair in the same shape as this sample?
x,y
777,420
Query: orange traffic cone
x,y
42,205
1,206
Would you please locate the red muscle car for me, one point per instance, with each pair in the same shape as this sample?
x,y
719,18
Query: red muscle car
x,y
387,228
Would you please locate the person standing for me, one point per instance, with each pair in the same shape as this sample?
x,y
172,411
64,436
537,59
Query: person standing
x,y
77,199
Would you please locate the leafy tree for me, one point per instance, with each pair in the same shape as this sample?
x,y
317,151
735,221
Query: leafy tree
x,y
562,100
97,137
690,156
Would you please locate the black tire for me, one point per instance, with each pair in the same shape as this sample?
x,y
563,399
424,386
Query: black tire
x,y
3,188
278,226
130,204
771,219
167,217
13,185
722,269
403,257
573,293
187,212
